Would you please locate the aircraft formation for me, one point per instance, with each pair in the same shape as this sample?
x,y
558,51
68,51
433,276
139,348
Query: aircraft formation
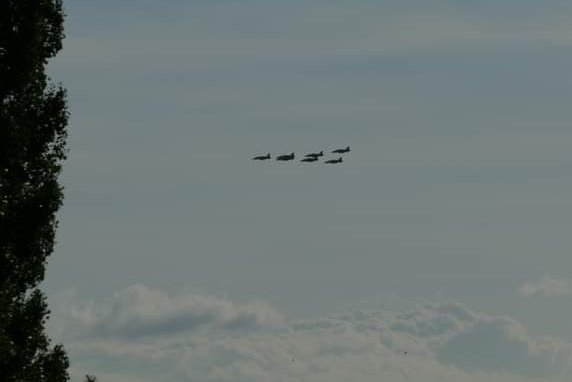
x,y
308,158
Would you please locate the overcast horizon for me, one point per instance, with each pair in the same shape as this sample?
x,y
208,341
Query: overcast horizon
x,y
445,232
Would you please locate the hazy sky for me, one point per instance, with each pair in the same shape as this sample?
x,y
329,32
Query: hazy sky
x,y
456,192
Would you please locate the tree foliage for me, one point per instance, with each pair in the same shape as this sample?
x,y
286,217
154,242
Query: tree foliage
x,y
33,120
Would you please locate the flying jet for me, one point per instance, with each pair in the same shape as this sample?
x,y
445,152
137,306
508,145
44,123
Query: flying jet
x,y
262,157
315,155
331,161
285,157
342,151
309,159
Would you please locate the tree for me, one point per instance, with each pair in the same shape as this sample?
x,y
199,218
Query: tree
x,y
33,120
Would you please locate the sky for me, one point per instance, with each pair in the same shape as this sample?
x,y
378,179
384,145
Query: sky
x,y
444,233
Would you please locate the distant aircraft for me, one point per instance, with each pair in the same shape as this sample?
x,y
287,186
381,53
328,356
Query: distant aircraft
x,y
315,155
342,151
262,157
339,160
309,159
285,157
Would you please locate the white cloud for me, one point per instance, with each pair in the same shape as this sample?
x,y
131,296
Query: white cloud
x,y
547,286
138,311
502,344
149,335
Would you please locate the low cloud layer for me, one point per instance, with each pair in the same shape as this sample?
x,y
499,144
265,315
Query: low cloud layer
x,y
502,344
140,312
547,286
148,335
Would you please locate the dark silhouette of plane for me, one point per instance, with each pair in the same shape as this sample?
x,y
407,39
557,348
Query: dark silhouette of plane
x,y
309,159
342,151
262,157
285,157
339,160
315,155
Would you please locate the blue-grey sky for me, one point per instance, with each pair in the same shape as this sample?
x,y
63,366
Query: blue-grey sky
x,y
457,187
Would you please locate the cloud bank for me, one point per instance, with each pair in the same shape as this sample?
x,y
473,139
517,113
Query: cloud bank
x,y
139,312
547,286
149,335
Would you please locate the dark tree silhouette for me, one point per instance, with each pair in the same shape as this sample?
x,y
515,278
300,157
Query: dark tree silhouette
x,y
33,120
